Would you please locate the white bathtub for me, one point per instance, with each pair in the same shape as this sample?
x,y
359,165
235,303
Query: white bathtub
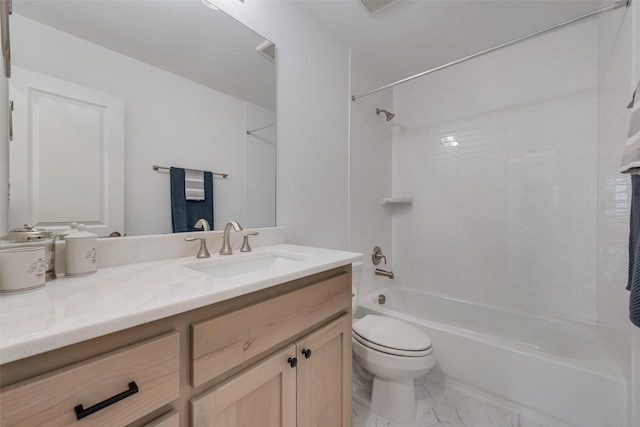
x,y
554,368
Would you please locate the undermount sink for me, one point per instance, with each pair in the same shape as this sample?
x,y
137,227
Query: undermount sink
x,y
244,264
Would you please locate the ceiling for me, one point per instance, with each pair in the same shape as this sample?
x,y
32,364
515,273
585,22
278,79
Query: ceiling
x,y
411,36
183,37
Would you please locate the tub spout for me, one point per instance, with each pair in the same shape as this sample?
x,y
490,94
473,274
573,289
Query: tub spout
x,y
385,273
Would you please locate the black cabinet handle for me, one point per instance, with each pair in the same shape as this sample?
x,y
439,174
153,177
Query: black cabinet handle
x,y
293,362
306,352
81,412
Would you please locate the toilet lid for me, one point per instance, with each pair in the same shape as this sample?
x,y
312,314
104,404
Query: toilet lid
x,y
388,350
391,333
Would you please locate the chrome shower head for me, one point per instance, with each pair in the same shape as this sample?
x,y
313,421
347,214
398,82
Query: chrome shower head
x,y
389,114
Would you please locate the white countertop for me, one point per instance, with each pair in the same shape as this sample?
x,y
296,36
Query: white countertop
x,y
71,310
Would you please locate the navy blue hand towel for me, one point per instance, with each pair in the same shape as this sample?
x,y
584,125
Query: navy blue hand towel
x,y
633,283
185,213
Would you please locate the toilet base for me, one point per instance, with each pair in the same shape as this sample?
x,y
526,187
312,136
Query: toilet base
x,y
393,400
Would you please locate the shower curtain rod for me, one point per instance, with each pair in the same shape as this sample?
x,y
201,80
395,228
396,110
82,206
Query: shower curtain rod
x,y
250,132
612,6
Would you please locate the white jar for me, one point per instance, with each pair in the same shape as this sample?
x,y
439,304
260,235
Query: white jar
x,y
81,250
22,269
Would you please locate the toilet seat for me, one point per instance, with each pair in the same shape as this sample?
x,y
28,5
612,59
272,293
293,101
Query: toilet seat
x,y
391,336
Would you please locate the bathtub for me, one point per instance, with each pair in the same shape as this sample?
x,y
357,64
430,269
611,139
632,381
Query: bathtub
x,y
556,369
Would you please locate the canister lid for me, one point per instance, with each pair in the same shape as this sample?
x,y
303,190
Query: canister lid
x,y
65,233
28,233
82,233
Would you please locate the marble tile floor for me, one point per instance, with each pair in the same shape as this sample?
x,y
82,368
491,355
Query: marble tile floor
x,y
440,405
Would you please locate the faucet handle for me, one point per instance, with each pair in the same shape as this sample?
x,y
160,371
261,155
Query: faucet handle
x,y
245,243
203,252
376,256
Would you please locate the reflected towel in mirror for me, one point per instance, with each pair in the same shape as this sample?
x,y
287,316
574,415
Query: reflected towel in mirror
x,y
194,184
185,213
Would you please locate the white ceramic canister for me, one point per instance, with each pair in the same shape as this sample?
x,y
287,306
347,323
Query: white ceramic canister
x,y
22,269
81,250
29,236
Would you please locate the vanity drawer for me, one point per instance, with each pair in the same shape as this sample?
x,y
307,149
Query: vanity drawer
x,y
225,342
170,419
51,399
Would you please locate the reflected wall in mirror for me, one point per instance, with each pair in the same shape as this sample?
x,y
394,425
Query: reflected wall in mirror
x,y
105,90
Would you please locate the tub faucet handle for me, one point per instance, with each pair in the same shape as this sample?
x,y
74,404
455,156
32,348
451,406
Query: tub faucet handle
x,y
376,256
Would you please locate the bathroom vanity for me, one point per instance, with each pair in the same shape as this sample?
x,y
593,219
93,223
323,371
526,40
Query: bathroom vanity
x,y
270,347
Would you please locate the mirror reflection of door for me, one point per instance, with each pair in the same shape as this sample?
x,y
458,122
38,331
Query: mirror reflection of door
x,y
191,93
66,156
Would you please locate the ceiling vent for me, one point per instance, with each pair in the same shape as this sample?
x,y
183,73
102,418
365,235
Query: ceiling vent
x,y
268,50
375,6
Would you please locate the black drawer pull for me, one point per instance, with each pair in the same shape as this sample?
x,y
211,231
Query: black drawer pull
x,y
81,412
306,352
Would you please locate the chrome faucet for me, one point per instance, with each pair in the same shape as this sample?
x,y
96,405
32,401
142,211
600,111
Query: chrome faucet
x,y
203,252
226,246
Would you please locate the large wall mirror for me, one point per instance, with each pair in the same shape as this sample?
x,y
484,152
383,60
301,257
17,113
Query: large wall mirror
x,y
103,91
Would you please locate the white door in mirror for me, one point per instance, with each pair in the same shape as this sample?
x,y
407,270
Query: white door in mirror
x,y
67,154
81,250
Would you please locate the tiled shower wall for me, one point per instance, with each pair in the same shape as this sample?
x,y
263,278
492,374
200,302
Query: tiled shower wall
x,y
615,88
500,156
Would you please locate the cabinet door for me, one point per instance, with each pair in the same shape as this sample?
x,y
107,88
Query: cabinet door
x,y
263,395
324,377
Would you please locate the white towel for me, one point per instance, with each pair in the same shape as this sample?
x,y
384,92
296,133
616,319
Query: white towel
x,y
631,156
193,184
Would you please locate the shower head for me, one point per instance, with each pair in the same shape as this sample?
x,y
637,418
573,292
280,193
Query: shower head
x,y
387,113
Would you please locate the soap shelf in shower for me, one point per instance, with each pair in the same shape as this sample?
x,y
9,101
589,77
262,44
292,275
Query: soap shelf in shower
x,y
397,200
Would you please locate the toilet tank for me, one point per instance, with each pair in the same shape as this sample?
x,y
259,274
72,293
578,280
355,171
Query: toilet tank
x,y
356,274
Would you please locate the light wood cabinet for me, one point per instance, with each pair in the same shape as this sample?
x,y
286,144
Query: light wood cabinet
x,y
226,364
263,395
170,419
224,342
324,378
306,384
68,396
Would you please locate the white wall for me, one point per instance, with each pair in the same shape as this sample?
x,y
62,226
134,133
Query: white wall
x,y
260,161
635,342
313,113
509,215
169,121
370,176
4,157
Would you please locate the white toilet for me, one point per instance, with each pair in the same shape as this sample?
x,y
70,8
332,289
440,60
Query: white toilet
x,y
395,353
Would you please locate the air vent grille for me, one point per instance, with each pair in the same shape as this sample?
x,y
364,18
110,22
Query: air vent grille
x,y
375,6
268,50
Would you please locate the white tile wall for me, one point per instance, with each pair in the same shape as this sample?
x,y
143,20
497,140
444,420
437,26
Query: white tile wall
x,y
614,189
500,155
